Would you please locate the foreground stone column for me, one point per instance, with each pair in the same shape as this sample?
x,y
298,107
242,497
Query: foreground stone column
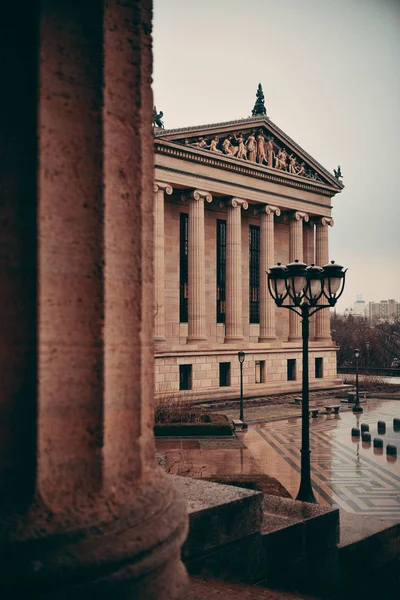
x,y
196,267
267,260
85,513
296,252
233,306
159,260
322,318
309,259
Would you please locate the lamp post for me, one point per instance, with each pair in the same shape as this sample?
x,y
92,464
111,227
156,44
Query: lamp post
x,y
241,357
368,346
357,408
305,287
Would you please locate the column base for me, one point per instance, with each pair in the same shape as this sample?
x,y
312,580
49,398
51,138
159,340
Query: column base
x,y
159,339
296,338
232,339
196,339
262,340
322,338
126,546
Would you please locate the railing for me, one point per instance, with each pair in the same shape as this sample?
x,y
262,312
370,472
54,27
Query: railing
x,y
391,372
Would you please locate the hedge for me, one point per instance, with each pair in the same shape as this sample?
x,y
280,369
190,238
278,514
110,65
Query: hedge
x,y
218,425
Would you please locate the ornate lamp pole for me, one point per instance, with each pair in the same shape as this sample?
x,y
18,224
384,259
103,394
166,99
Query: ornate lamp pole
x,y
357,408
241,357
304,287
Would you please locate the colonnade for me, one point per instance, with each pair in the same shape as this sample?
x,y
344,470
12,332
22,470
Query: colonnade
x,y
308,242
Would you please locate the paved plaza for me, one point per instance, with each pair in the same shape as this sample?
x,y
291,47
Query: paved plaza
x,y
346,473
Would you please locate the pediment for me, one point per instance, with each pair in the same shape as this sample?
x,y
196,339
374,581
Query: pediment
x,y
256,140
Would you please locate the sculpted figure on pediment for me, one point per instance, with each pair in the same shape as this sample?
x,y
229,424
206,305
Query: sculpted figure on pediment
x,y
241,151
261,156
301,169
213,145
280,160
201,143
228,148
251,147
292,164
269,148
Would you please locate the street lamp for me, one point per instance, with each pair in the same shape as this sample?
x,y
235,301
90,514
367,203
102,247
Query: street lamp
x,y
241,357
357,408
305,287
368,346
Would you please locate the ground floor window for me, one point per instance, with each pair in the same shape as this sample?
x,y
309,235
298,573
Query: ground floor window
x,y
185,377
224,374
291,369
319,368
260,365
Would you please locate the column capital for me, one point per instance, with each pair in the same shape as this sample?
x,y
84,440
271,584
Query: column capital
x,y
268,209
160,185
325,221
234,203
297,215
197,195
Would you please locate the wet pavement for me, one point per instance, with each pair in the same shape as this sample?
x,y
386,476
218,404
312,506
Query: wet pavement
x,y
346,473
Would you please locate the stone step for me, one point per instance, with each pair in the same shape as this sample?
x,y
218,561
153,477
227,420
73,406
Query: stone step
x,y
214,589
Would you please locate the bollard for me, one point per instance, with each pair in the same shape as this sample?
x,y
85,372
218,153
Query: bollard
x,y
381,427
378,443
355,432
391,450
364,427
366,437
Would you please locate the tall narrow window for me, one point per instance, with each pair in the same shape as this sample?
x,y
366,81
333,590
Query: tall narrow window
x,y
221,270
291,369
224,374
254,272
260,366
185,377
319,368
183,268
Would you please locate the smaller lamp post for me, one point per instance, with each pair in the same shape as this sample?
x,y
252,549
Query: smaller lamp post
x,y
241,357
368,346
357,408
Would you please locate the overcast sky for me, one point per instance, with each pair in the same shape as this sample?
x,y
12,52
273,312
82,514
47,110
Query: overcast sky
x,y
331,79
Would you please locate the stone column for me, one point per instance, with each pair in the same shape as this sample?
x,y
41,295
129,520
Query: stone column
x,y
159,259
196,267
233,303
85,512
296,252
267,260
322,318
309,259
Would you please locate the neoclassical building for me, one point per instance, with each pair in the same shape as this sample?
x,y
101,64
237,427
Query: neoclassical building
x,y
231,200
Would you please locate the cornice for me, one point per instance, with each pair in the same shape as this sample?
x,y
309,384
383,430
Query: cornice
x,y
219,161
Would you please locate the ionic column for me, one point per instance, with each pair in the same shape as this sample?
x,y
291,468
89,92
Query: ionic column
x,y
159,259
267,260
322,318
233,306
196,267
84,510
296,252
309,259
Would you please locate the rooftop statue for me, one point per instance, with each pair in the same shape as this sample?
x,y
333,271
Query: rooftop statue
x,y
259,106
338,173
157,118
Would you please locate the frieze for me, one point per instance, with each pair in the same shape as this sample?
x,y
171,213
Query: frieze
x,y
257,146
246,168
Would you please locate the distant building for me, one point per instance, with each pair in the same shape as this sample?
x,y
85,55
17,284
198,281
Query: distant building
x,y
359,309
383,310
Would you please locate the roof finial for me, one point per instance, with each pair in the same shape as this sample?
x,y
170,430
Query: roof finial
x,y
259,106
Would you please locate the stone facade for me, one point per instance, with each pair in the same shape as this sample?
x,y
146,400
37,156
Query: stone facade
x,y
293,214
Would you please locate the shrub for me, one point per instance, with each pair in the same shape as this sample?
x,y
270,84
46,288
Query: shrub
x,y
173,408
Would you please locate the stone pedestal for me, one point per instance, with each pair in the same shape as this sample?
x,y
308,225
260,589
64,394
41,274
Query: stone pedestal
x,y
267,260
234,313
85,512
322,318
296,252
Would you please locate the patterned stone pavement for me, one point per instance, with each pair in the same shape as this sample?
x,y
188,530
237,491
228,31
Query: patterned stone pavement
x,y
348,474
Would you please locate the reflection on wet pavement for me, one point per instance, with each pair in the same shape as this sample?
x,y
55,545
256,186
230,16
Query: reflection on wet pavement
x,y
346,472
